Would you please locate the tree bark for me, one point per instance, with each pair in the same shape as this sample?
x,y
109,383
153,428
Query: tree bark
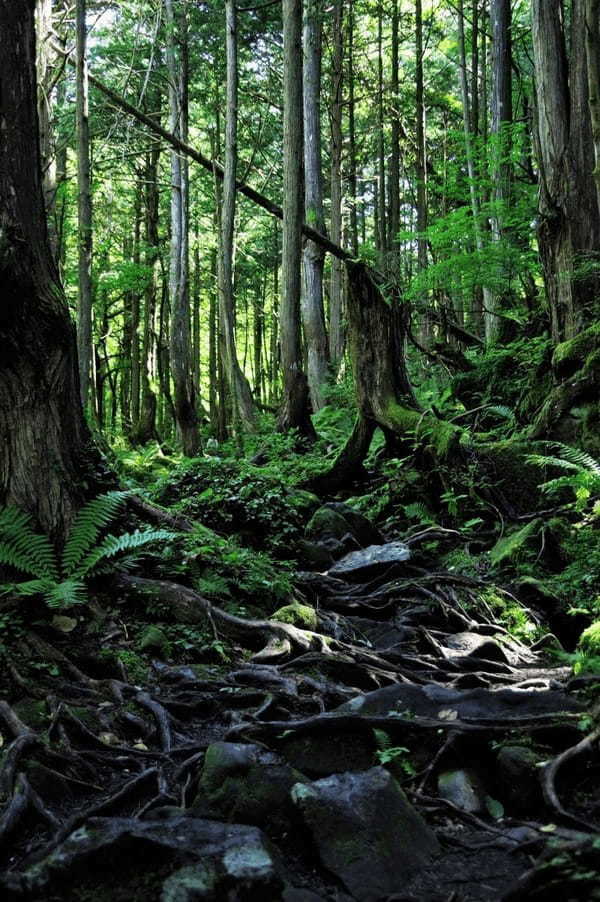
x,y
592,47
45,446
336,328
241,395
313,314
569,223
84,188
294,412
180,350
502,117
424,324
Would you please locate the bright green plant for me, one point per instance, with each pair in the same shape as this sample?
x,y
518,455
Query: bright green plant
x,y
61,579
583,477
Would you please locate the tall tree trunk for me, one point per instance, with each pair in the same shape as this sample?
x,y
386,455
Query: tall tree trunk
x,y
294,412
180,350
313,314
336,327
243,403
44,442
569,224
45,74
382,236
352,182
464,89
500,15
592,46
394,175
424,325
84,188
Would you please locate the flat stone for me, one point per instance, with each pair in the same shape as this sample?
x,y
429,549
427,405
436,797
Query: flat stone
x,y
469,704
365,831
207,857
366,563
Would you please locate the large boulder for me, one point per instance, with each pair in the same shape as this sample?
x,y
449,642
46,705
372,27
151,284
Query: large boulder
x,y
470,704
245,784
179,859
365,831
369,562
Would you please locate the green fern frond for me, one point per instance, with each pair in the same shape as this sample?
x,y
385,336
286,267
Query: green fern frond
x,y
88,523
418,511
580,459
30,587
113,545
501,411
541,460
66,594
24,548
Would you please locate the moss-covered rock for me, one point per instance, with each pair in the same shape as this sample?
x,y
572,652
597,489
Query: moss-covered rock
x,y
589,641
302,615
510,475
572,355
155,638
245,784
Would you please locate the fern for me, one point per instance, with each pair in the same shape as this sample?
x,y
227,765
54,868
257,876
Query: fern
x,y
584,470
87,526
23,548
29,552
113,545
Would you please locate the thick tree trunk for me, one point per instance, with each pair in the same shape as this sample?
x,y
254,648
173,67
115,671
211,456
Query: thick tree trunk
x,y
294,413
394,174
84,189
352,181
44,441
241,395
180,350
592,46
569,223
313,315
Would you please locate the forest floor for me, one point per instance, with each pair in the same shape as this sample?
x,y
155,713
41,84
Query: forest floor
x,y
385,739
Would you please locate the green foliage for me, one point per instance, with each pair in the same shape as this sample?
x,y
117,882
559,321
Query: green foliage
x,y
61,580
398,755
235,496
583,478
222,569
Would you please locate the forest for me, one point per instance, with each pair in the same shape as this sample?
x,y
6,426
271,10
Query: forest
x,y
299,450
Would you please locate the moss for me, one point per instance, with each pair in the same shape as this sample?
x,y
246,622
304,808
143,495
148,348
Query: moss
x,y
155,638
569,356
517,545
589,641
32,712
509,472
442,437
297,614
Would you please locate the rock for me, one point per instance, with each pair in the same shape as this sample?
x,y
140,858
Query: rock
x,y
153,637
327,524
470,704
365,532
63,624
204,859
365,831
320,755
338,528
245,784
463,788
368,562
314,555
518,782
302,615
472,645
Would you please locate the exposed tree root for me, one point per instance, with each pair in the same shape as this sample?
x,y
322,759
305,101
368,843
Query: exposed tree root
x,y
550,773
